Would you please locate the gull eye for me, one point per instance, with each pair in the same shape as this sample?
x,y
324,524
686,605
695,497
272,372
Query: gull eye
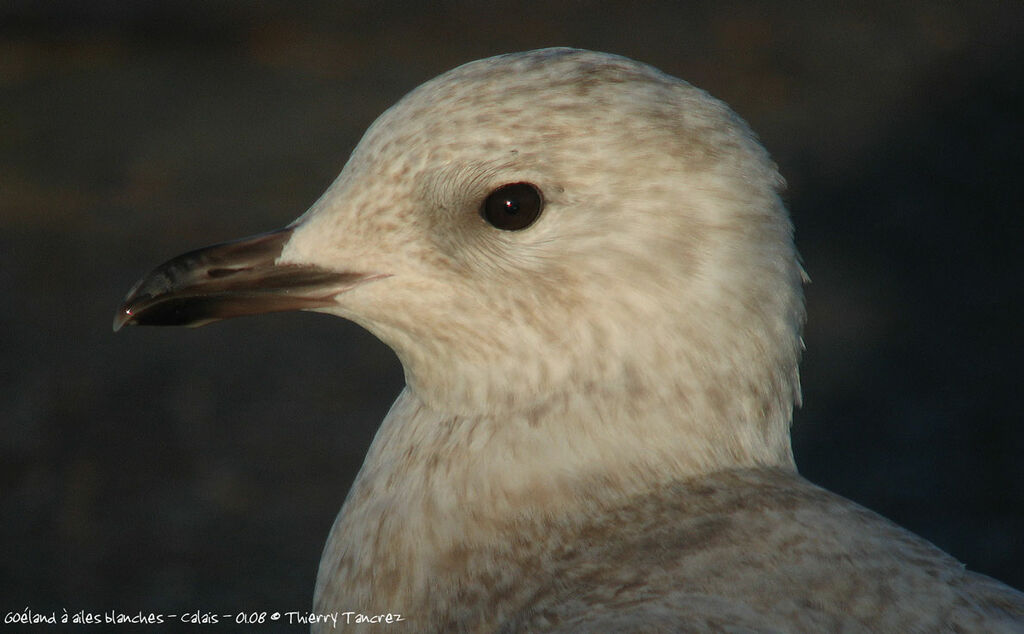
x,y
512,207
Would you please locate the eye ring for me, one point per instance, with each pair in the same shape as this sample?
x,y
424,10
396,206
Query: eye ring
x,y
512,207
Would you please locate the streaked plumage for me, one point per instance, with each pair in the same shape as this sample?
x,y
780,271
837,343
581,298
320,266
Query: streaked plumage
x,y
595,431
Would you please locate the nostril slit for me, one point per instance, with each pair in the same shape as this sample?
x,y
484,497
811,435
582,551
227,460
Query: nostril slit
x,y
223,272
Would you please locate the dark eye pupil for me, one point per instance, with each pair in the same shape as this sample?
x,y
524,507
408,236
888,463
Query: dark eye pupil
x,y
512,207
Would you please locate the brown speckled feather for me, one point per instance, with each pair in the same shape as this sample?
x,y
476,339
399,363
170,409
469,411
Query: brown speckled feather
x,y
761,549
594,436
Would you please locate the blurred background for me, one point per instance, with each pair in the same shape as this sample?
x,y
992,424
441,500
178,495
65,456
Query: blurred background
x,y
169,469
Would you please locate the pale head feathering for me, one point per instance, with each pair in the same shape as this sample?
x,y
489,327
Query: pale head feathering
x,y
661,268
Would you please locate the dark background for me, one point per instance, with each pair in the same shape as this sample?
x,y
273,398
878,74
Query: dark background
x,y
168,469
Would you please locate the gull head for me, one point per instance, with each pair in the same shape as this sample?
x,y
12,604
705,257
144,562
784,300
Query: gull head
x,y
533,227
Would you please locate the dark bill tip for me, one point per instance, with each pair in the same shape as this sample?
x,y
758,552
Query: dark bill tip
x,y
230,280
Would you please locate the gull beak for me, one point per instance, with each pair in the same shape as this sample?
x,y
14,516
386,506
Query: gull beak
x,y
232,279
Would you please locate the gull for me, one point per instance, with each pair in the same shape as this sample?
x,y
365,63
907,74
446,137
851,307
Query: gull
x,y
587,272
